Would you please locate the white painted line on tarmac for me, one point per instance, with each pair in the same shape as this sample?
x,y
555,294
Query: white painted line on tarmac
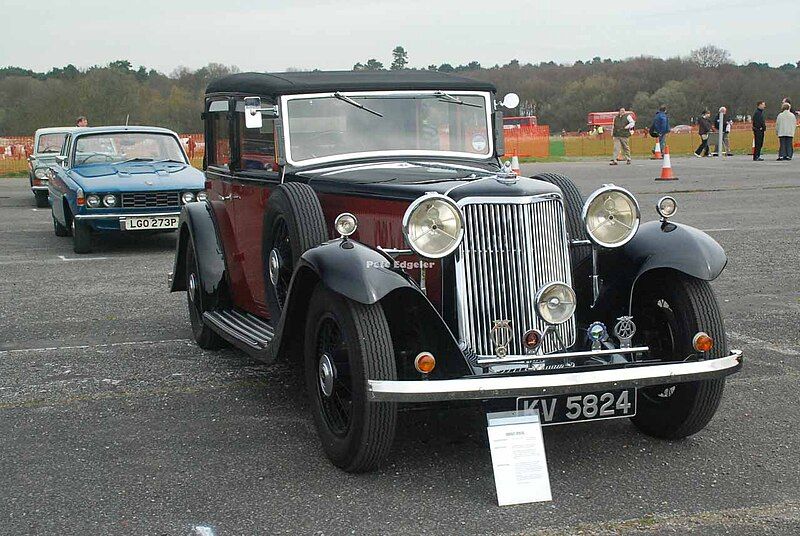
x,y
766,345
67,259
88,346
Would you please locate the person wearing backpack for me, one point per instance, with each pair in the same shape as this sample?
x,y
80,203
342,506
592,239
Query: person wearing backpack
x,y
660,126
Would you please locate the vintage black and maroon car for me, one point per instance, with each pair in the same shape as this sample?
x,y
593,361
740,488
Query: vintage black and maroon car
x,y
363,221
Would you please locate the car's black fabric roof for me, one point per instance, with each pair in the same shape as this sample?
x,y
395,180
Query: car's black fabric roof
x,y
271,84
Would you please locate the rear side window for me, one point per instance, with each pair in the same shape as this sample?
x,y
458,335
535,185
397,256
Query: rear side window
x,y
219,133
50,143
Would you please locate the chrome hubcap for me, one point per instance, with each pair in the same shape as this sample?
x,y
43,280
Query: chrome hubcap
x,y
326,375
275,263
192,286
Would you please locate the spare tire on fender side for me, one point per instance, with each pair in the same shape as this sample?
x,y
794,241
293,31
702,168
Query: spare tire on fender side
x,y
573,206
293,224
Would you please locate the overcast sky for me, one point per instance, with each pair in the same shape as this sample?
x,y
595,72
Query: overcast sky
x,y
326,34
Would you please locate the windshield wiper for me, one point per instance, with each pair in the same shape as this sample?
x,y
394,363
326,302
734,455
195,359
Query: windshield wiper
x,y
446,97
351,102
137,159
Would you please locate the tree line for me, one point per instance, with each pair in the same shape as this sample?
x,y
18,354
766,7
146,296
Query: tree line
x,y
560,95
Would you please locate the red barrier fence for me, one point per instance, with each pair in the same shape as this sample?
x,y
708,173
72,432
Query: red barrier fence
x,y
528,141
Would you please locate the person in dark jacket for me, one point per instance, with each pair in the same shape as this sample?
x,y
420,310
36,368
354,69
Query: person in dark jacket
x,y
704,126
661,125
759,127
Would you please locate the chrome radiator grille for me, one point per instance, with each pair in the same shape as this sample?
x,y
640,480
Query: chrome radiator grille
x,y
511,248
150,199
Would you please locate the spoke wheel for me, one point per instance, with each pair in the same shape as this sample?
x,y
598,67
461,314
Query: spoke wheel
x,y
346,344
335,387
670,308
203,335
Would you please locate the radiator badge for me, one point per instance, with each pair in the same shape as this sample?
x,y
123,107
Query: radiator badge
x,y
625,330
501,336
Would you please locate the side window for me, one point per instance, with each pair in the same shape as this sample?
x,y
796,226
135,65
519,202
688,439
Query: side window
x,y
256,146
219,129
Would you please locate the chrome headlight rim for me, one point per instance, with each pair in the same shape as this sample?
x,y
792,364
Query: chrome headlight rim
x,y
40,173
546,287
606,188
341,224
660,209
201,196
109,201
93,200
433,196
187,197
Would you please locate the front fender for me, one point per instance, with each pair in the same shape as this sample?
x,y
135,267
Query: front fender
x,y
196,226
354,270
657,246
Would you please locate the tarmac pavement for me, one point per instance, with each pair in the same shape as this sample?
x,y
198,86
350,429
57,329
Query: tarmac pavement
x,y
112,421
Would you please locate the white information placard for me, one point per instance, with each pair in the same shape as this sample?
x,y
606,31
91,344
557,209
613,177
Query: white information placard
x,y
518,458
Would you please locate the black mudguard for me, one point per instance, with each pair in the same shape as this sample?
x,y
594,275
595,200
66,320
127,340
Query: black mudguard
x,y
656,246
364,275
196,224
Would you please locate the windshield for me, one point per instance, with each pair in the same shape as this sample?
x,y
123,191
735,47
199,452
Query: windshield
x,y
50,143
327,127
115,147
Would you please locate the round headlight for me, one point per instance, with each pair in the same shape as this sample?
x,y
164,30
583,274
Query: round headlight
x,y
92,201
433,226
40,173
187,197
611,215
109,200
201,196
555,303
667,207
345,224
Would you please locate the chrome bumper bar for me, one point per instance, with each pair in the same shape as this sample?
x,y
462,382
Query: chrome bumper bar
x,y
549,384
117,215
40,188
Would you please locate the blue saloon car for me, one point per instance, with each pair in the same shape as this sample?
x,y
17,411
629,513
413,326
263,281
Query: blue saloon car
x,y
128,179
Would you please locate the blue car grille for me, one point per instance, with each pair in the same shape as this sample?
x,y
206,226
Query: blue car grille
x,y
150,199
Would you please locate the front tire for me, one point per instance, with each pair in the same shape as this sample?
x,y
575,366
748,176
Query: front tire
x,y
59,229
670,309
346,344
81,237
204,336
41,199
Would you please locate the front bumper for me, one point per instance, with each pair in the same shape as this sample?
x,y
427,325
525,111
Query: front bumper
x,y
552,382
120,217
40,188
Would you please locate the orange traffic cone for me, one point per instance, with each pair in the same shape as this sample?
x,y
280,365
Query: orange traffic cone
x,y
515,165
666,167
656,152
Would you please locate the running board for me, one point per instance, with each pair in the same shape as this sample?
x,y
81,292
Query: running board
x,y
243,330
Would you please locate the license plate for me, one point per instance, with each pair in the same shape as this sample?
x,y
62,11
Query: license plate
x,y
563,409
151,222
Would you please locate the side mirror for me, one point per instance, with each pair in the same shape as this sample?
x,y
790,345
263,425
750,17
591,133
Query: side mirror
x,y
511,100
252,112
61,159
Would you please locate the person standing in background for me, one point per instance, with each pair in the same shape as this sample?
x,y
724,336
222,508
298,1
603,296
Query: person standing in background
x,y
720,126
759,128
661,126
623,126
82,122
785,126
704,129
